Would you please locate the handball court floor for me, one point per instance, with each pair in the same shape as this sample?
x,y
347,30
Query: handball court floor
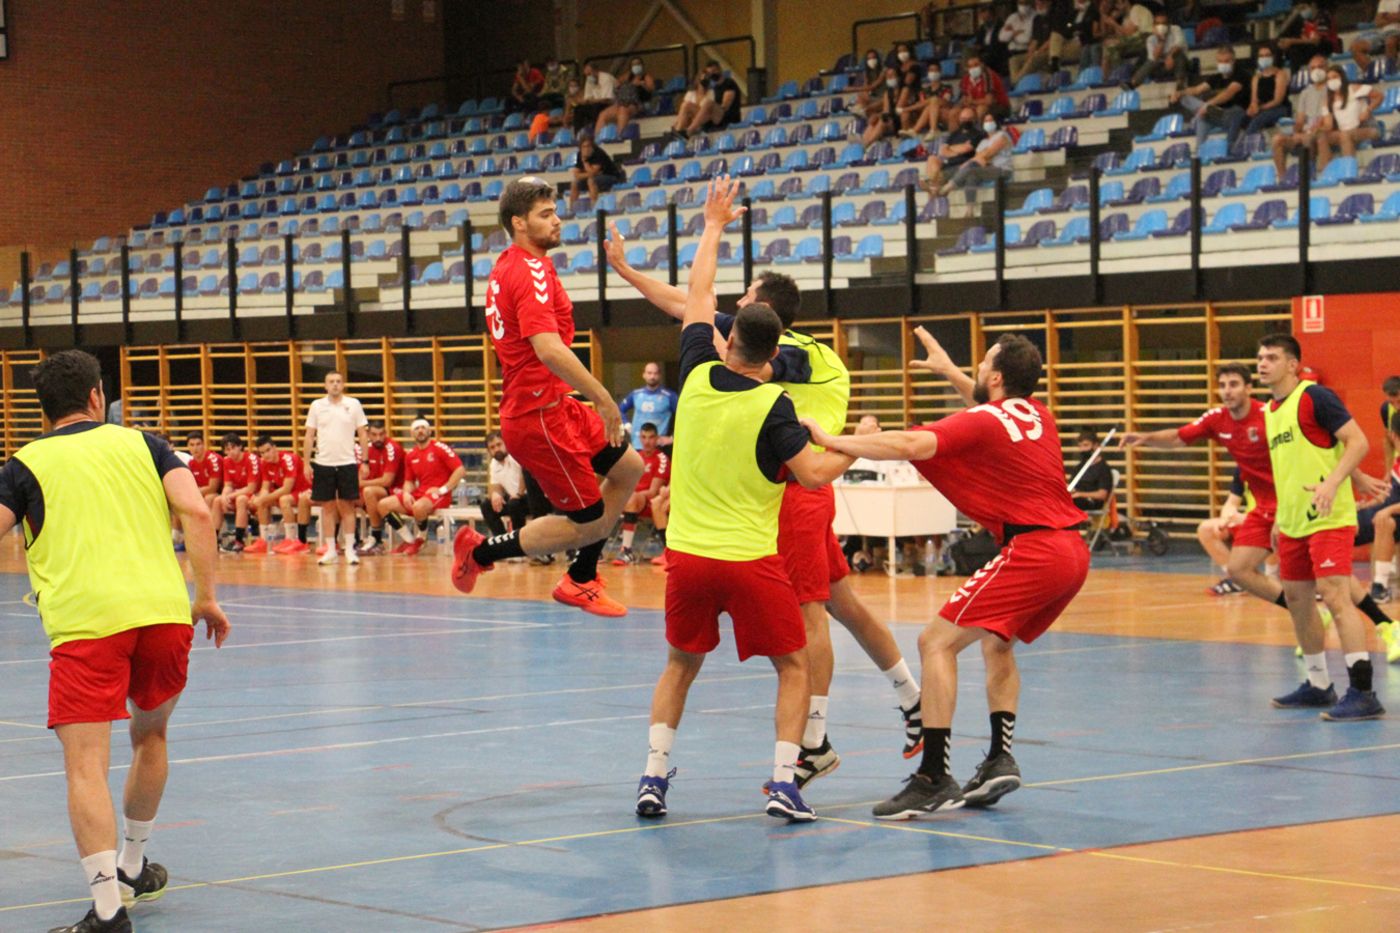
x,y
371,751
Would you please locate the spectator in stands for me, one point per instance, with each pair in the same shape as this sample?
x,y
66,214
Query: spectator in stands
x,y
991,159
872,85
1096,484
573,97
983,89
1307,31
936,105
598,90
956,149
526,86
1349,119
986,41
904,60
1387,21
883,126
1167,56
1075,32
909,103
1370,70
1268,92
634,90
556,84
722,107
1037,57
593,169
1216,101
1125,36
689,105
505,489
1309,109
1015,34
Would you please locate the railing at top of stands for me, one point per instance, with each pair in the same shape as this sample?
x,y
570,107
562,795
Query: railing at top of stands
x,y
678,48
478,81
874,20
695,53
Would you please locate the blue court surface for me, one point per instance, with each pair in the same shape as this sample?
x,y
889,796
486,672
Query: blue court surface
x,y
369,761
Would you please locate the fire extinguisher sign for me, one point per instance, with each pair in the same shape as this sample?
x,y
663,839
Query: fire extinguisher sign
x,y
1313,320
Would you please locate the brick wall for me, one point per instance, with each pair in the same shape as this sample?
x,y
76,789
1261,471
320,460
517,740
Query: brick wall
x,y
113,111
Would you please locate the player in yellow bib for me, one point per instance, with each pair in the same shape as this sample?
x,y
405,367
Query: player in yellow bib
x,y
116,612
1315,447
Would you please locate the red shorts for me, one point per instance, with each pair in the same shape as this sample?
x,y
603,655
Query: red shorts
x,y
1255,531
556,446
90,679
439,502
808,546
1321,554
756,593
1022,591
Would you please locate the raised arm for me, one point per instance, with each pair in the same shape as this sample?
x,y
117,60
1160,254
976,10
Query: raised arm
x,y
561,361
940,363
663,295
719,213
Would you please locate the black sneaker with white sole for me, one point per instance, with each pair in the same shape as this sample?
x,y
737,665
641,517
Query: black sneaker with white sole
x,y
921,794
995,777
812,763
149,885
119,923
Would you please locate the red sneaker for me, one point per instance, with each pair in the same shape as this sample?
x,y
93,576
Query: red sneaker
x,y
413,547
320,551
259,546
590,597
659,560
294,547
465,569
402,547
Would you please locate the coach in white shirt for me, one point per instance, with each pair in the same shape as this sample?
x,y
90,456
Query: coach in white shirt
x,y
506,492
333,425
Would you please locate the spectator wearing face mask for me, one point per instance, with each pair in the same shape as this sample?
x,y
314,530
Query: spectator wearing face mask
x,y
884,122
1387,21
1075,33
1037,57
1268,92
689,105
868,95
958,148
1307,31
905,62
909,103
718,109
1016,32
1309,109
1217,102
987,40
556,84
983,89
936,106
1349,119
598,89
573,97
1125,39
633,89
990,160
1167,55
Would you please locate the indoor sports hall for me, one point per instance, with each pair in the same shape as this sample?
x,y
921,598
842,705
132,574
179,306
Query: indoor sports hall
x,y
225,204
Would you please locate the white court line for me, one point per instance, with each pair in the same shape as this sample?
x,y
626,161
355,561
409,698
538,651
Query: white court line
x,y
508,623
22,725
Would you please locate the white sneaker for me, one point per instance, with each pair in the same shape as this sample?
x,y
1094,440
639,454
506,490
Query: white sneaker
x,y
327,558
351,557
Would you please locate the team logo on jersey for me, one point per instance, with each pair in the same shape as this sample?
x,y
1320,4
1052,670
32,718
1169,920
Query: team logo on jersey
x,y
1253,434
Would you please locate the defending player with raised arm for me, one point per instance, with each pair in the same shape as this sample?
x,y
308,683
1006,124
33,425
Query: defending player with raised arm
x,y
559,441
1007,440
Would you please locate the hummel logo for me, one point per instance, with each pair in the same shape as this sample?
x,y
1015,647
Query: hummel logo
x,y
1328,563
538,392
100,878
532,263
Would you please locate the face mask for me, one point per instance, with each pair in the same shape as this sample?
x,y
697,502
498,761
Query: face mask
x,y
891,82
1225,68
989,128
1160,29
872,63
975,72
1334,84
1266,63
903,56
1318,75
553,67
636,69
934,77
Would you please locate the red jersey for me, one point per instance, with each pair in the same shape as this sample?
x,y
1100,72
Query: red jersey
x,y
655,464
1247,442
284,465
208,469
387,459
430,467
1000,464
246,469
524,297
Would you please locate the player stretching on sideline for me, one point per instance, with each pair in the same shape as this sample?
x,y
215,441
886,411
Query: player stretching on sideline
x,y
1007,440
816,378
1315,446
735,438
1239,424
564,445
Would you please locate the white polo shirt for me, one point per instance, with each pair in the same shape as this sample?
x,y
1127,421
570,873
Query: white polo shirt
x,y
335,426
507,475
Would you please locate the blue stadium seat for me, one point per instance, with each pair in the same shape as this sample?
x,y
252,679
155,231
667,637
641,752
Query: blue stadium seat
x,y
1229,215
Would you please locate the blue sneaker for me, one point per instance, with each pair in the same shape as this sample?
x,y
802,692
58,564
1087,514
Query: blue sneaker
x,y
1355,706
651,794
785,802
1307,696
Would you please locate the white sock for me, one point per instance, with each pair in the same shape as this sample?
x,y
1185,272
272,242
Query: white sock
x,y
1225,572
100,872
660,738
349,542
628,536
1352,657
905,686
290,530
1381,572
134,845
815,733
1270,570
405,533
1316,665
784,761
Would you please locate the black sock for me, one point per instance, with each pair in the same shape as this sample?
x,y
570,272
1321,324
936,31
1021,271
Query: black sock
x,y
584,569
394,521
240,534
629,518
1359,675
1281,602
1003,725
253,527
1373,612
301,531
498,548
938,752
377,534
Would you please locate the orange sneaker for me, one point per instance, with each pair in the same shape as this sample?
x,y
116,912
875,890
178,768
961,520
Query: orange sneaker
x,y
294,547
259,546
590,597
413,547
465,570
659,560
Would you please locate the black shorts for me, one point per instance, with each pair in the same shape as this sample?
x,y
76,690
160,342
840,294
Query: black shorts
x,y
335,482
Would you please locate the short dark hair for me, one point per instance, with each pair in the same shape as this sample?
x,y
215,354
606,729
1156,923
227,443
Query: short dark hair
x,y
233,439
521,196
713,63
1391,385
194,434
649,427
1235,369
1227,48
780,293
1020,365
493,435
262,439
758,328
1088,434
65,381
375,425
1285,342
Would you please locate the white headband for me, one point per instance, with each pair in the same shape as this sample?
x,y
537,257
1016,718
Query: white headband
x,y
420,422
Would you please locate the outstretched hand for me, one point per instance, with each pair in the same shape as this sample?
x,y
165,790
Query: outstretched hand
x,y
938,361
615,247
719,202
